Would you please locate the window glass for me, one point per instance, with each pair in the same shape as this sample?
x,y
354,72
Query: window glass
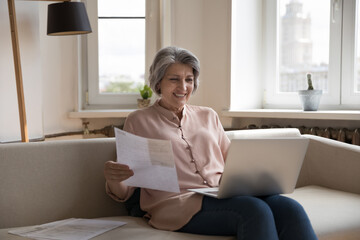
x,y
357,78
304,34
121,27
124,8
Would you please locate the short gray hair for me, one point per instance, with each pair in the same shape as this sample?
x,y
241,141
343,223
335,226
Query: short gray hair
x,y
170,55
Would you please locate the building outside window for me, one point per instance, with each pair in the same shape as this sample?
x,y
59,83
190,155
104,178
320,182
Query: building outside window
x,y
304,44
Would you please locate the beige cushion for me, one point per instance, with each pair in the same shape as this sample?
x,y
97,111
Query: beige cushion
x,y
263,133
136,229
335,215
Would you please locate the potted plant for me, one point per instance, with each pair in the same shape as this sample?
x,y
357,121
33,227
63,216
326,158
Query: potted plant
x,y
146,94
310,98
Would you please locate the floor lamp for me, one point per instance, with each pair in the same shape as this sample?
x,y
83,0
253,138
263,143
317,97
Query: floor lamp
x,y
64,18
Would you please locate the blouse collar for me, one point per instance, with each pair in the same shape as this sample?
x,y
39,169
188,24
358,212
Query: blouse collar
x,y
167,113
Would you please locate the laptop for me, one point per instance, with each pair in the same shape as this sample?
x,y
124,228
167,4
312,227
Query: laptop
x,y
260,167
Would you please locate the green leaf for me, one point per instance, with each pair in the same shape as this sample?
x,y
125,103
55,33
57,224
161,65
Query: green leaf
x,y
146,92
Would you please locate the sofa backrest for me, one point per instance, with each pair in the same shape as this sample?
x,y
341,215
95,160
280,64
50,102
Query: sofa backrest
x,y
46,181
263,133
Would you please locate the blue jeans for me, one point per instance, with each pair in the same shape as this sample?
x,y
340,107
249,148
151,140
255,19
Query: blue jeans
x,y
266,218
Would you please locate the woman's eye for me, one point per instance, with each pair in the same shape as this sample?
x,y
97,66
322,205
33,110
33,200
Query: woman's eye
x,y
189,80
173,79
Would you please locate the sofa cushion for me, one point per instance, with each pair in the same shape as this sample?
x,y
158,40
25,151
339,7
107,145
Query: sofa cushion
x,y
334,214
135,229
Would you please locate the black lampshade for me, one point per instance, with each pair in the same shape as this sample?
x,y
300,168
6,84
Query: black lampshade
x,y
67,18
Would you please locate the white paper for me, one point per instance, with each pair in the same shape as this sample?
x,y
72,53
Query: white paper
x,y
152,161
69,229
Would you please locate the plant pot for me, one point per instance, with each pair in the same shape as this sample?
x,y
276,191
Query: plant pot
x,y
143,103
310,99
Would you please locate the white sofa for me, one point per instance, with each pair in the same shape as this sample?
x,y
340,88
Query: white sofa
x,y
47,181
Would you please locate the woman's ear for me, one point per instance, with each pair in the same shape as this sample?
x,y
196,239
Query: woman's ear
x,y
157,88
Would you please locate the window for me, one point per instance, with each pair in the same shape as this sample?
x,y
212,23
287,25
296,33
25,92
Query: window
x,y
293,38
350,92
304,34
116,50
121,45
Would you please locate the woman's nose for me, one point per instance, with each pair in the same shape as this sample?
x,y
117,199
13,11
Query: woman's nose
x,y
182,84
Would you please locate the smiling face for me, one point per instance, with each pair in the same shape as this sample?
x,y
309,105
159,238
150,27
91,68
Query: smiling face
x,y
176,87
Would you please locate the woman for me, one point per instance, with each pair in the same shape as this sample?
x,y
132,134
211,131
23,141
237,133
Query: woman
x,y
199,146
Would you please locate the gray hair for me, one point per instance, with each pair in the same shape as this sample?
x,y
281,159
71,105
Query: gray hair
x,y
170,55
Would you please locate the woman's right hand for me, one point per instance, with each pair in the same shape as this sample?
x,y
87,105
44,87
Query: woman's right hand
x,y
116,172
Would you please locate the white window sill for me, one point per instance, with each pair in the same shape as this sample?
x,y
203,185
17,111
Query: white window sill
x,y
249,113
294,114
121,113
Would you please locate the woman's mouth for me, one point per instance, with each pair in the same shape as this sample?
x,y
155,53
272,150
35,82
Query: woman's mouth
x,y
179,95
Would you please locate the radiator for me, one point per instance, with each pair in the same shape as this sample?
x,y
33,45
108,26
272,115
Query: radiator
x,y
345,135
339,134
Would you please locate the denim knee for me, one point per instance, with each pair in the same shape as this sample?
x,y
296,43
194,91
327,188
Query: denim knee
x,y
254,207
243,216
286,208
257,219
291,219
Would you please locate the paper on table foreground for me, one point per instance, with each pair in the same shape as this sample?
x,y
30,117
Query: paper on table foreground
x,y
68,229
151,160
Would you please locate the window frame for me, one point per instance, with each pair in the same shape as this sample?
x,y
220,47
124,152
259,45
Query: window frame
x,y
91,98
341,73
351,7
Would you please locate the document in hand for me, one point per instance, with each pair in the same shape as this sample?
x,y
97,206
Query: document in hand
x,y
151,160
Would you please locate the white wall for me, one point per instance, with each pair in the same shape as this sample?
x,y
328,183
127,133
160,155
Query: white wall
x,y
60,76
187,17
28,22
216,54
203,27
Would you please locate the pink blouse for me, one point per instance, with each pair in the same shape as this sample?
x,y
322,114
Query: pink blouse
x,y
199,147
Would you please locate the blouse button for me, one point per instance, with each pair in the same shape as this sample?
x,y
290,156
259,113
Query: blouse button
x,y
192,160
205,182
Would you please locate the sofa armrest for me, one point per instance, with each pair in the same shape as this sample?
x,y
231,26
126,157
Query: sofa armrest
x,y
331,164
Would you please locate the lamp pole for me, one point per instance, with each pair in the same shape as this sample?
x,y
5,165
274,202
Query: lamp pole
x,y
18,73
